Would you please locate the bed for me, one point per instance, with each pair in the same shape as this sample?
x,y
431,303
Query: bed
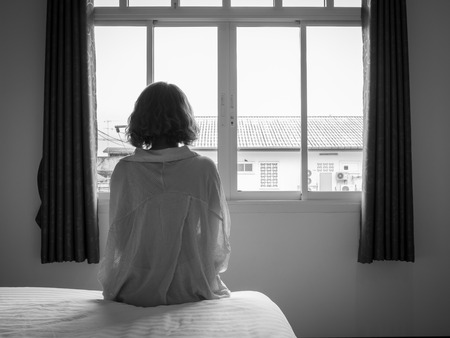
x,y
56,312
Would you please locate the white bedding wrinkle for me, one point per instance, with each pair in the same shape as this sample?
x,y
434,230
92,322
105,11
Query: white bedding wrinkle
x,y
54,312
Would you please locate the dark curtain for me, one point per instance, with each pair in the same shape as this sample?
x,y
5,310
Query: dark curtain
x,y
387,197
67,172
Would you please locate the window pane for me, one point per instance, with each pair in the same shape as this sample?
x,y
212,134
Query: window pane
x,y
106,3
303,3
268,107
121,76
347,3
149,3
334,65
201,3
187,57
251,3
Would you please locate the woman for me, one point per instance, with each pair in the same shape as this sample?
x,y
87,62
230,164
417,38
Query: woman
x,y
169,221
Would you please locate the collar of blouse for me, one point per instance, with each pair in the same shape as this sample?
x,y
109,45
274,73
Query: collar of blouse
x,y
162,155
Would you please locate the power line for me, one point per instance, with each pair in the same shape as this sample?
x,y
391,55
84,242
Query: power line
x,y
111,139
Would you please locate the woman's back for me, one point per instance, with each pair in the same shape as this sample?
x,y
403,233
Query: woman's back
x,y
169,234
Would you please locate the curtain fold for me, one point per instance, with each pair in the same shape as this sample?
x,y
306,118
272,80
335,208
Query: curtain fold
x,y
387,198
67,171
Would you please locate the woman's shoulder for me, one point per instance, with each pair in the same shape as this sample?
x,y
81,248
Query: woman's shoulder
x,y
203,159
122,168
204,162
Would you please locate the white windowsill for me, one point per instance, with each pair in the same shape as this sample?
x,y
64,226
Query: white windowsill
x,y
289,206
274,206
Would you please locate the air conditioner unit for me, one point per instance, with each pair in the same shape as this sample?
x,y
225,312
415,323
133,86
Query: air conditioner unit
x,y
340,176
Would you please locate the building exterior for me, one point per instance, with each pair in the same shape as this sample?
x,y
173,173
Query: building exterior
x,y
269,157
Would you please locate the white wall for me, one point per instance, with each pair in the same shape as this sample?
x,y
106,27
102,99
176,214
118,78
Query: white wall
x,y
22,39
306,262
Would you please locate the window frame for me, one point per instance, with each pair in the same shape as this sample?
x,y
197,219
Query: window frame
x,y
318,195
227,19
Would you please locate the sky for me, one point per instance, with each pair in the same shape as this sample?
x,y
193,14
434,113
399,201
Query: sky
x,y
268,67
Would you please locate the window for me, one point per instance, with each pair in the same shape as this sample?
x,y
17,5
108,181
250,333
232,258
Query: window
x,y
245,167
334,124
303,3
347,3
149,3
201,3
251,3
268,66
264,84
325,167
269,174
106,3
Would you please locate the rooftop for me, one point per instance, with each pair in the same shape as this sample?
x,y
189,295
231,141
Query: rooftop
x,y
280,133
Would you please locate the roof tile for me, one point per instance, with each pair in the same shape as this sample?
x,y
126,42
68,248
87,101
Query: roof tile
x,y
325,132
282,132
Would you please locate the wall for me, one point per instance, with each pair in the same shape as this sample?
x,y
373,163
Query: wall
x,y
430,102
22,37
306,262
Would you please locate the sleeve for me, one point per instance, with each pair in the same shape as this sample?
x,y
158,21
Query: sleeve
x,y
117,189
110,274
219,221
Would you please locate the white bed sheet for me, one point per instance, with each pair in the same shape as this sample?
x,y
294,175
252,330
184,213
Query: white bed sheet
x,y
56,312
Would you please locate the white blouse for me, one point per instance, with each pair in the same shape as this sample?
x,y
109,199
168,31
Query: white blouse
x,y
169,230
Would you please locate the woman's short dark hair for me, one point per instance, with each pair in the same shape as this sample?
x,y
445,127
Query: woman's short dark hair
x,y
162,110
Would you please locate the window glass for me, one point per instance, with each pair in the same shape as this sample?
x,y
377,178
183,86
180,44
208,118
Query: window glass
x,y
303,3
121,76
260,91
106,3
201,3
268,106
347,3
149,3
251,3
334,68
187,57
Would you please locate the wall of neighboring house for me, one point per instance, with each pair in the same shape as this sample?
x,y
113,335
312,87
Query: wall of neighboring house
x,y
305,261
328,170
